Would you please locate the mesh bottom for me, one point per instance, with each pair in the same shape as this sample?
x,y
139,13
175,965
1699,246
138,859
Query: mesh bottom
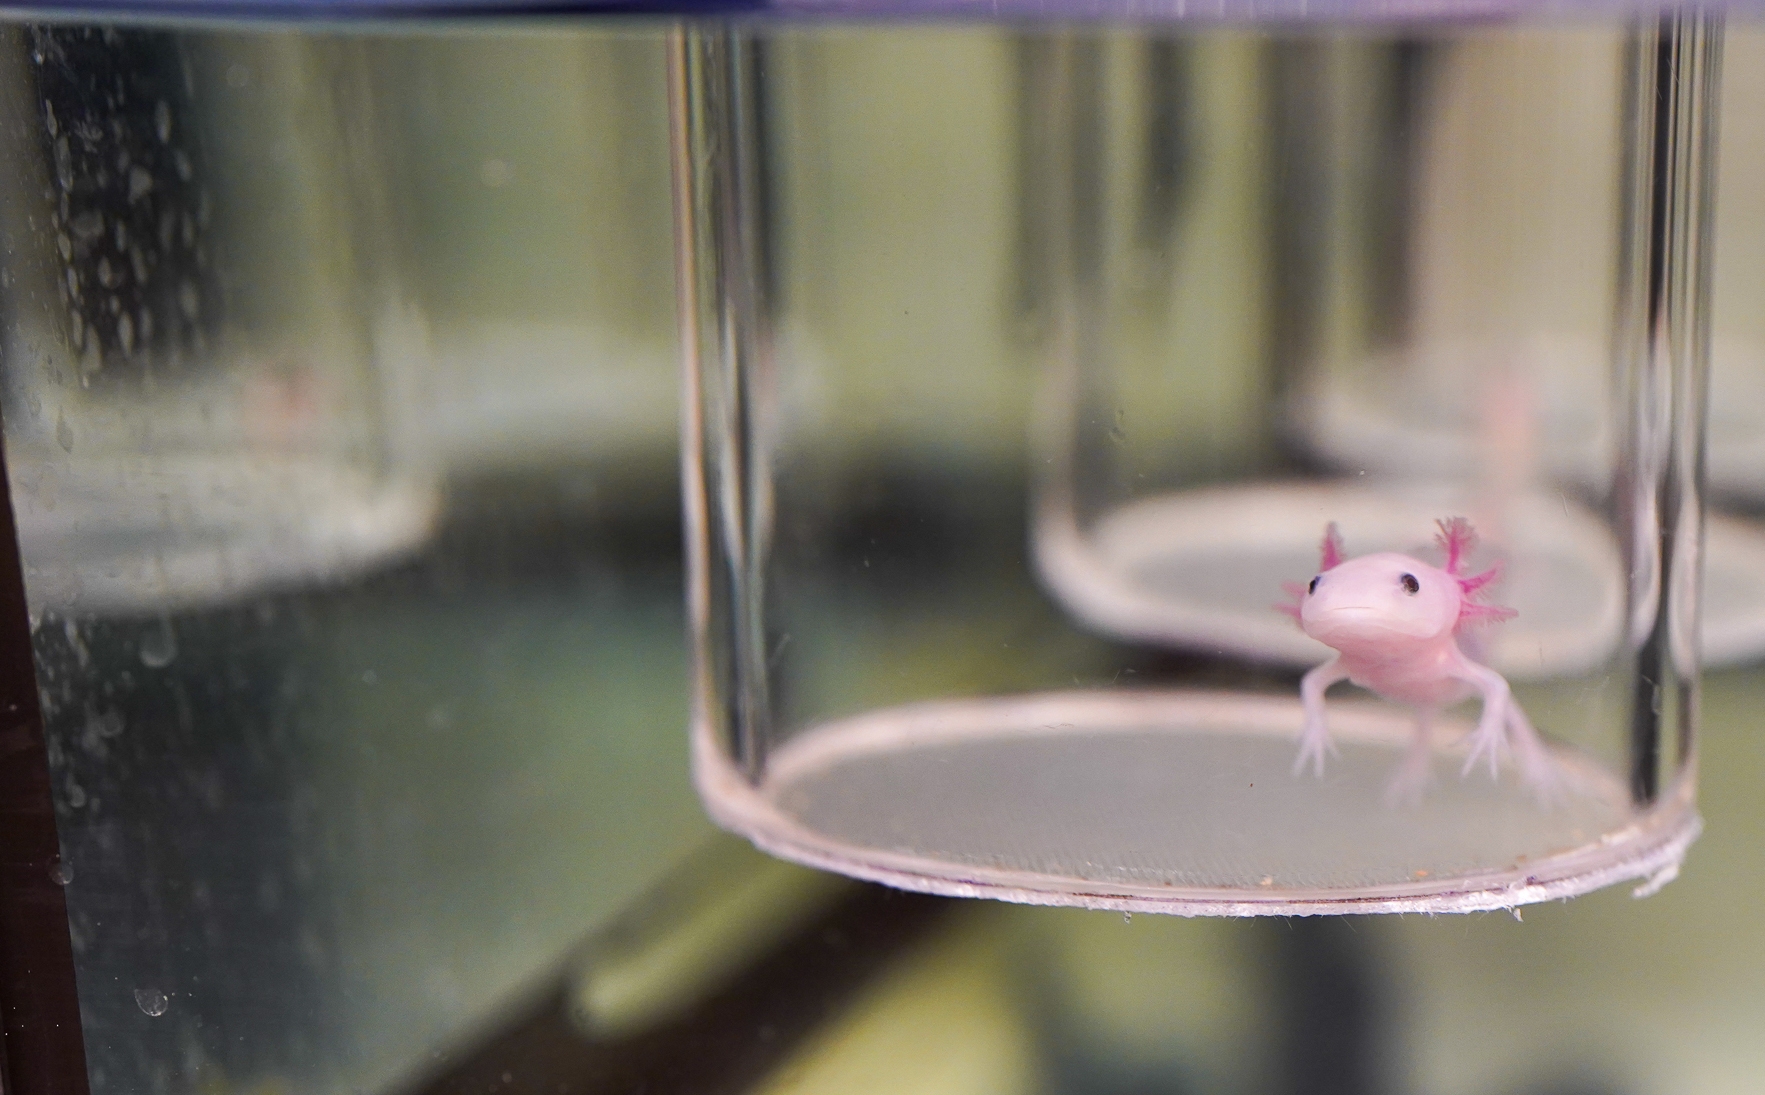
x,y
1181,802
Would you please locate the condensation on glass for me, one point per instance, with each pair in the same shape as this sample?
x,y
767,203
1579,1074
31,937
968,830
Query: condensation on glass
x,y
1014,405
340,413
203,344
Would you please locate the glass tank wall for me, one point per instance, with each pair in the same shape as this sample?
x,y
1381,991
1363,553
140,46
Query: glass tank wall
x,y
340,421
382,806
1047,466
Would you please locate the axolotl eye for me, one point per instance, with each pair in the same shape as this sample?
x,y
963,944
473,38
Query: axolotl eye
x,y
1407,581
1313,588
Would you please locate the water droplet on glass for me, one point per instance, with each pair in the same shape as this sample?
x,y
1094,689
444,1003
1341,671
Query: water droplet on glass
x,y
64,433
64,164
107,725
159,646
76,795
61,874
151,1001
140,183
162,121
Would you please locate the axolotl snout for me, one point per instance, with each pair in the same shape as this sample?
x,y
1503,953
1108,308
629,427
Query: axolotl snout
x,y
1394,622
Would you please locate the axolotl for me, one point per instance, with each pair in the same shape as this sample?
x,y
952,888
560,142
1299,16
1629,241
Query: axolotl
x,y
1394,622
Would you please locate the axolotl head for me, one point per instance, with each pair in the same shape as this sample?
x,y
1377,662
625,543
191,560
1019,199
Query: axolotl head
x,y
1387,598
1378,599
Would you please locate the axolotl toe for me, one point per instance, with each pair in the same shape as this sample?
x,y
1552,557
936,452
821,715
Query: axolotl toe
x,y
1394,622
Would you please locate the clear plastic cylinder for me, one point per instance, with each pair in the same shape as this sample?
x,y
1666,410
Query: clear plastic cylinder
x,y
207,348
1026,371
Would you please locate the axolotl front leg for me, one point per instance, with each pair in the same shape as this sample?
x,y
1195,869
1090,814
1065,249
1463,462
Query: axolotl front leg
x,y
1503,725
1314,735
1490,738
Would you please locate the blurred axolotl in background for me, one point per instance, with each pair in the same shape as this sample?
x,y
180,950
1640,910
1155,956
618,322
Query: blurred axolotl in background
x,y
1394,623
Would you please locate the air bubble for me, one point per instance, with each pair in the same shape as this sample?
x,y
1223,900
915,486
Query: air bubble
x,y
107,725
151,1001
60,873
159,646
64,433
162,121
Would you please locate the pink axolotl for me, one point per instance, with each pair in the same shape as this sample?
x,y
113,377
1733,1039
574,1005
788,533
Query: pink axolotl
x,y
1394,623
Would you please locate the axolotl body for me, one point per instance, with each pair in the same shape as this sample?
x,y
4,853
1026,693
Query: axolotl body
x,y
1394,622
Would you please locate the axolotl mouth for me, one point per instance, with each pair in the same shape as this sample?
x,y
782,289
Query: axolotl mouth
x,y
1368,622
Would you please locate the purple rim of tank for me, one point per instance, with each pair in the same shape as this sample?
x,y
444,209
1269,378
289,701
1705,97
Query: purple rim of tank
x,y
1009,11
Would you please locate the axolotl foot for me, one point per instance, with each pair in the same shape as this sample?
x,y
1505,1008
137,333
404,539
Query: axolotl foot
x,y
1488,742
1314,743
1314,732
1514,736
